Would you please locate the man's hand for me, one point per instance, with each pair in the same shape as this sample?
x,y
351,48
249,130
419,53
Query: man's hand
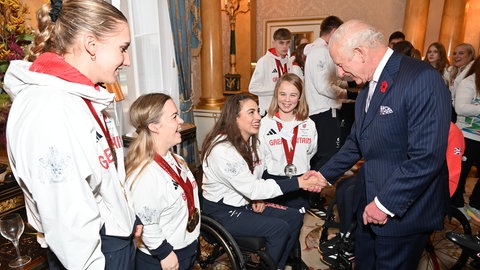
x,y
373,214
312,181
311,173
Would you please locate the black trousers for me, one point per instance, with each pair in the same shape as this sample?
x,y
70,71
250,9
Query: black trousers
x,y
328,139
470,157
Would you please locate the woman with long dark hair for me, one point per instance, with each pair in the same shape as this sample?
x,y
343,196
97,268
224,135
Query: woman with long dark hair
x,y
233,188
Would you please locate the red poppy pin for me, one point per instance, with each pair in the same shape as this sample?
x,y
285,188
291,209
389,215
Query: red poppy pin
x,y
383,86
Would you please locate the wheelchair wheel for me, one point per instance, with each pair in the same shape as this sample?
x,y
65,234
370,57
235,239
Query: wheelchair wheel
x,y
217,248
442,254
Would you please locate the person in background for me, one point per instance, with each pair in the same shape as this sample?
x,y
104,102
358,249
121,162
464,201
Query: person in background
x,y
401,127
324,94
417,54
437,57
288,138
404,47
270,67
233,188
298,65
164,191
467,103
395,37
463,56
63,148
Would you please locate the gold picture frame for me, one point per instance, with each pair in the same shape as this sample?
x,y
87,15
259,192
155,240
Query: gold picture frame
x,y
306,27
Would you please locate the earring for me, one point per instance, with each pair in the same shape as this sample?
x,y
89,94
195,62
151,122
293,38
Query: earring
x,y
93,57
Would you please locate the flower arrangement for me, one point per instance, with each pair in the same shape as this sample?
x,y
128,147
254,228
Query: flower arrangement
x,y
16,35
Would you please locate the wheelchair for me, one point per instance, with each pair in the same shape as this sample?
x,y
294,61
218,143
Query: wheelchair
x,y
345,259
218,249
440,253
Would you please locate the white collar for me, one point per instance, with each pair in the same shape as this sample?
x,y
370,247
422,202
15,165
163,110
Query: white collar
x,y
381,65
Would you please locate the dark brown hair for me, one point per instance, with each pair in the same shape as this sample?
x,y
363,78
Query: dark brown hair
x,y
282,34
328,24
443,62
227,126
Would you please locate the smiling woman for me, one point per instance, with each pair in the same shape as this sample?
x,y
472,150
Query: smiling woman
x,y
233,183
82,159
164,190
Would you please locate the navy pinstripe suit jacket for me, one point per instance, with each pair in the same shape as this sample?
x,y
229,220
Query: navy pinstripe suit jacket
x,y
402,139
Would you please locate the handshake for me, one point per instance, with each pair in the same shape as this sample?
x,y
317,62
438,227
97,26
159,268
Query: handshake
x,y
312,181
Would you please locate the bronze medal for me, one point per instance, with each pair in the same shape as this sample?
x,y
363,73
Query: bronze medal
x,y
193,219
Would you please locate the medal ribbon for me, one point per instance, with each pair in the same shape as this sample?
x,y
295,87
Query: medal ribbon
x,y
186,185
104,128
288,153
281,70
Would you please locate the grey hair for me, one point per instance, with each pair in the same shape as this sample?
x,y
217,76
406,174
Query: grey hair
x,y
359,34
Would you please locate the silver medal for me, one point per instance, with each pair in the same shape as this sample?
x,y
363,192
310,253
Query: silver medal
x,y
290,170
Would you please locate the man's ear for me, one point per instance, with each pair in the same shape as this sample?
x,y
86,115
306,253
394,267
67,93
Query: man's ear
x,y
90,44
361,52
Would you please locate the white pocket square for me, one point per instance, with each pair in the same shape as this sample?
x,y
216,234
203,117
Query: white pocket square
x,y
384,110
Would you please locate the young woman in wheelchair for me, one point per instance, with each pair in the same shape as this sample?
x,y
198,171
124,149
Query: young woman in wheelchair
x,y
233,190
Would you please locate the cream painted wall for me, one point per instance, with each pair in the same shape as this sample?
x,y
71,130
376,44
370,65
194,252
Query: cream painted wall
x,y
386,15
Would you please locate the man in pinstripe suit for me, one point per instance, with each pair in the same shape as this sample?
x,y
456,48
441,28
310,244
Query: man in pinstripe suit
x,y
401,127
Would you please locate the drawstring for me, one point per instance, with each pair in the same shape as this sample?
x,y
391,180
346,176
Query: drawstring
x,y
117,121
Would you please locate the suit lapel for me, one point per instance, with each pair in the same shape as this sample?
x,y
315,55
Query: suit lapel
x,y
382,89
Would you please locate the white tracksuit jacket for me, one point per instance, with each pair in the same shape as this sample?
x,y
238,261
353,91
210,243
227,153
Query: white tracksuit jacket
x,y
265,77
226,176
162,205
64,166
322,88
272,146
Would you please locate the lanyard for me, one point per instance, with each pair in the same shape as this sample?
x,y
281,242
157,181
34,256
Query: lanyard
x,y
281,70
289,152
186,185
105,131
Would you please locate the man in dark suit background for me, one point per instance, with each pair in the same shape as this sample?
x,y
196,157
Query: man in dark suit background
x,y
401,128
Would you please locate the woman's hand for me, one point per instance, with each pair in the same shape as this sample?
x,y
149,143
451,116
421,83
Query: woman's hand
x,y
138,230
258,206
312,181
170,262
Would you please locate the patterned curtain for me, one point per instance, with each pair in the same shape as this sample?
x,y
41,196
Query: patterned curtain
x,y
186,29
